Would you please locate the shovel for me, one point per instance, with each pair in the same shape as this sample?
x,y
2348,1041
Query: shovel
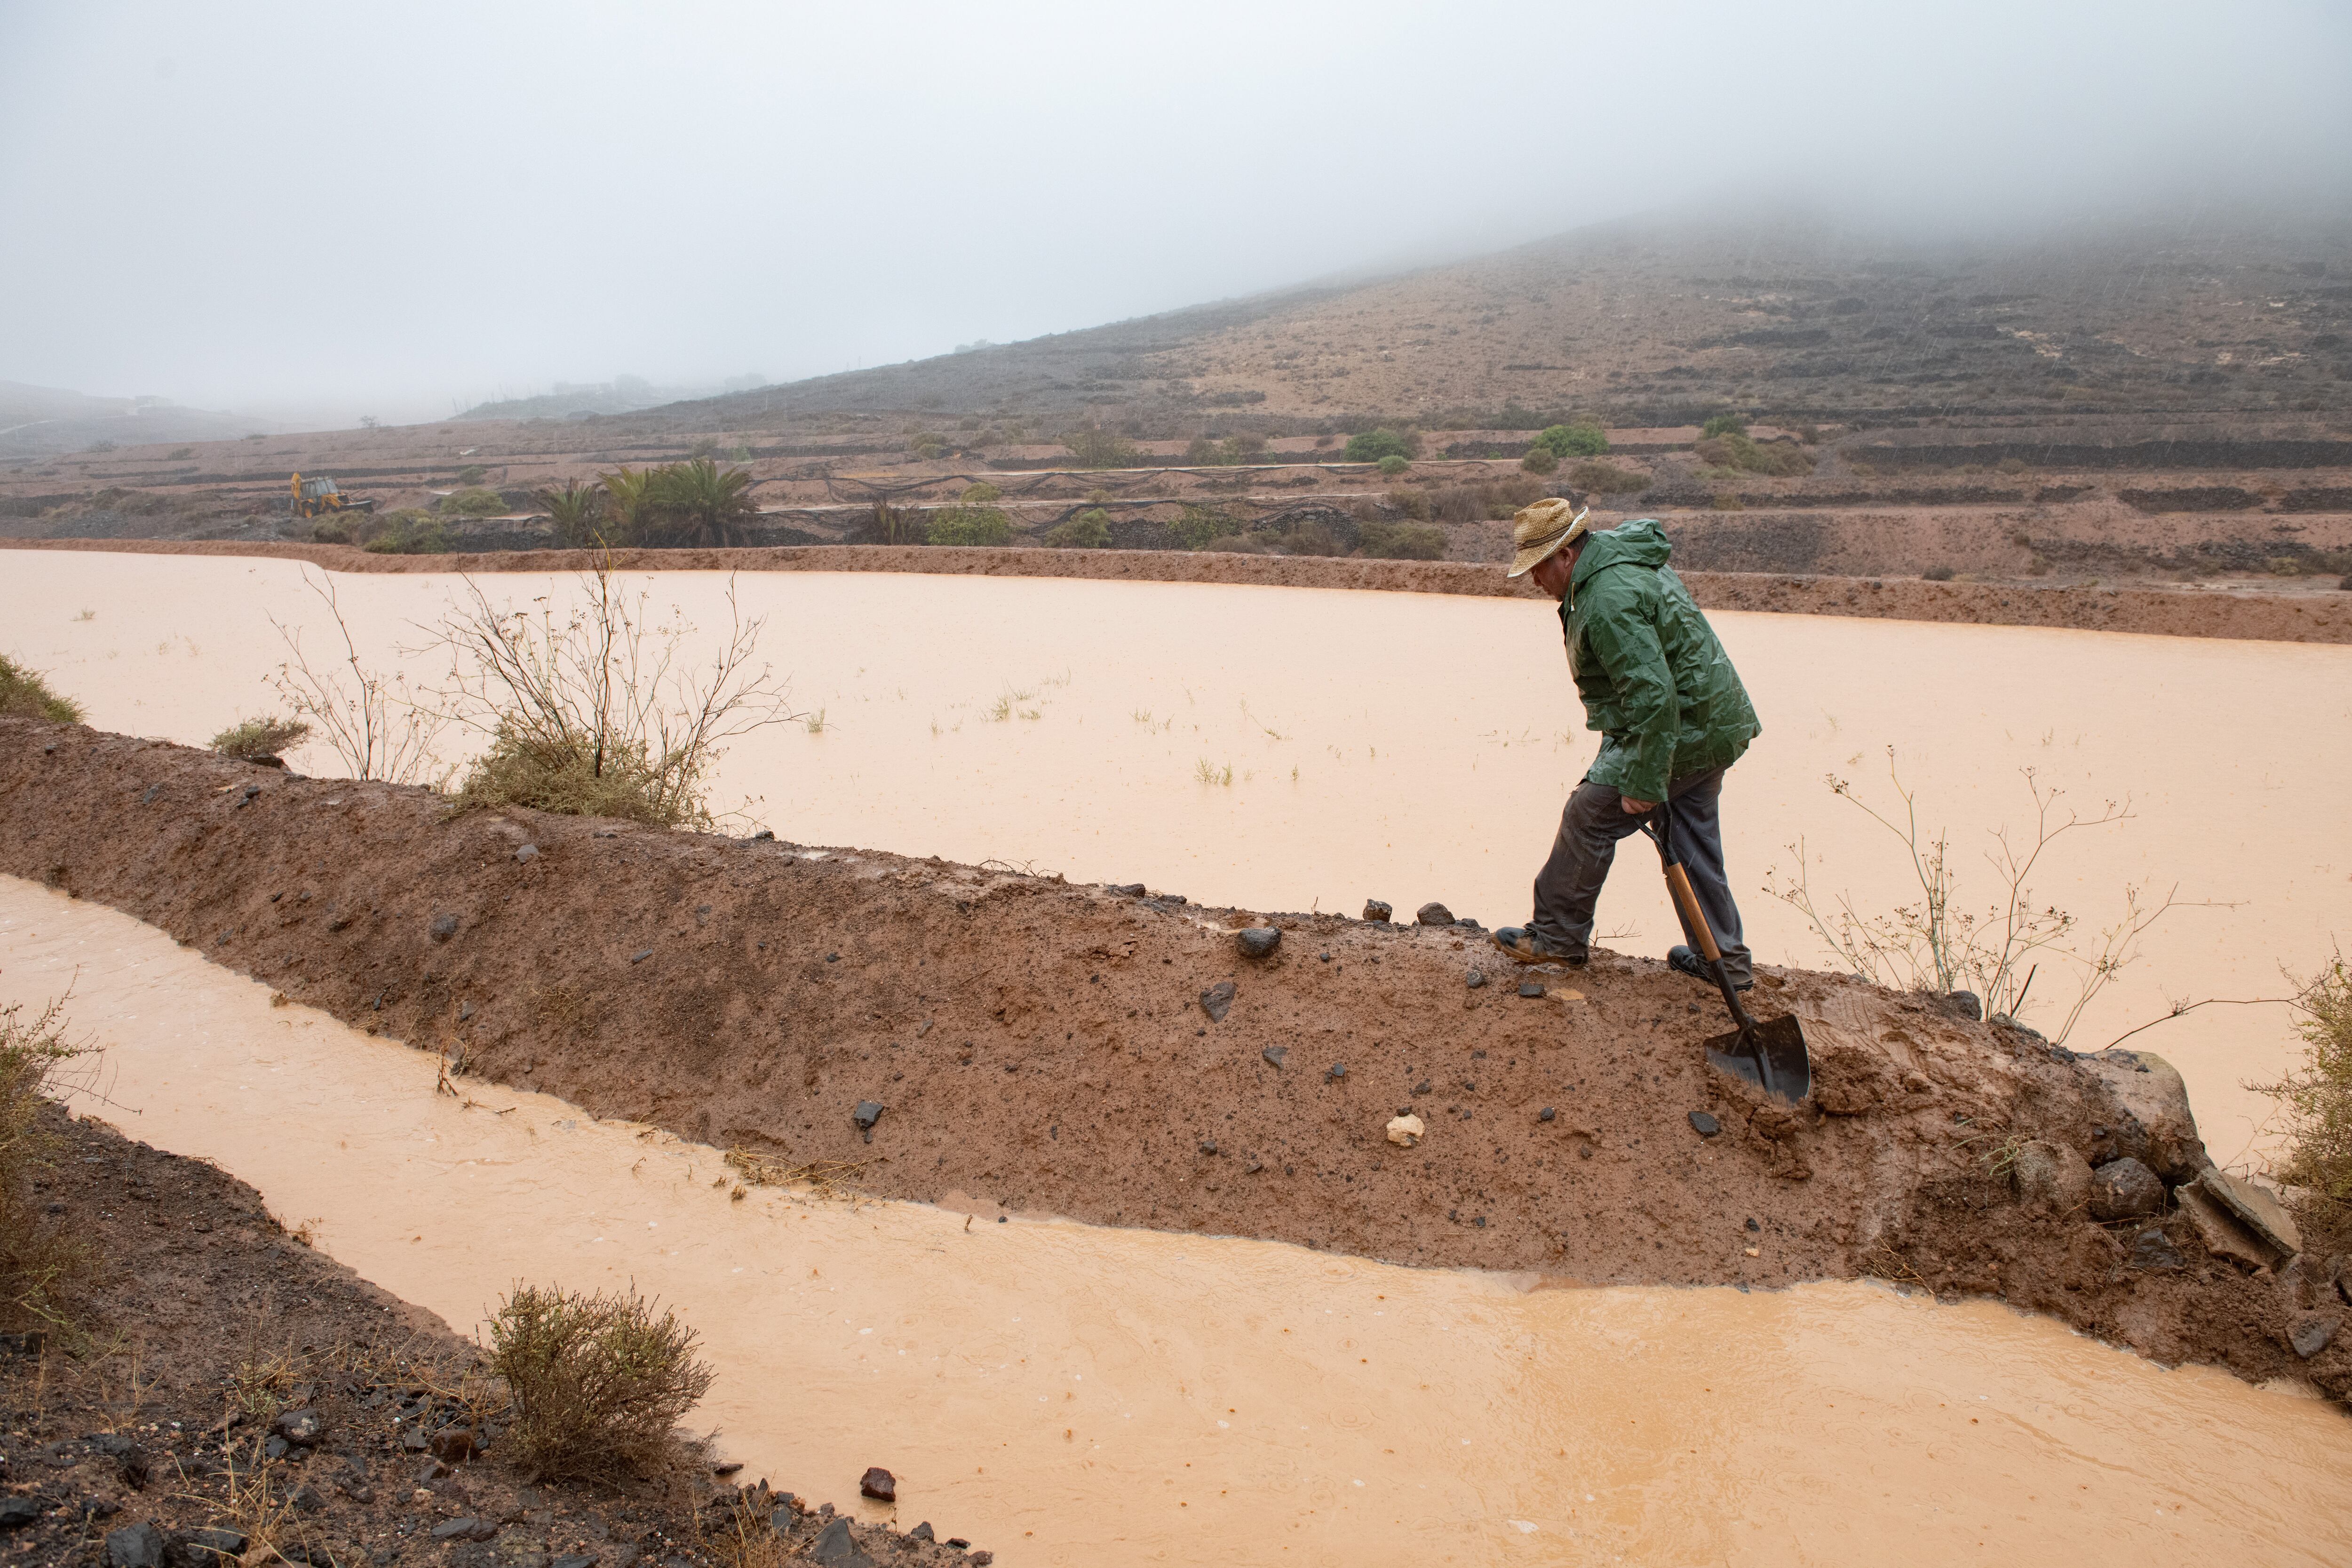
x,y
1770,1055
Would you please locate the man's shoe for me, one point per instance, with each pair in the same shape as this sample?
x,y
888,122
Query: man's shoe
x,y
1522,945
1686,961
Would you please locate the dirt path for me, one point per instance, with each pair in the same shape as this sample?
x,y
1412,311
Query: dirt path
x,y
1047,1047
2267,617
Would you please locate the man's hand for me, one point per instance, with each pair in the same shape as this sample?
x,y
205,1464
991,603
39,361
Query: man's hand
x,y
1636,808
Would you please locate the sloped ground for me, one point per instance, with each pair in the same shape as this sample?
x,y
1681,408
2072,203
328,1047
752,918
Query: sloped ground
x,y
1047,1047
149,1429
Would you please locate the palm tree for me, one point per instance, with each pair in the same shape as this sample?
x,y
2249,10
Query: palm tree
x,y
630,493
703,504
577,511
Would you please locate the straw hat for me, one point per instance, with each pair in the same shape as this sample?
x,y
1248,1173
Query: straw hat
x,y
1539,530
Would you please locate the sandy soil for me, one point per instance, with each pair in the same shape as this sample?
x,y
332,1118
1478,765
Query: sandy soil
x,y
2269,618
127,1420
1049,1046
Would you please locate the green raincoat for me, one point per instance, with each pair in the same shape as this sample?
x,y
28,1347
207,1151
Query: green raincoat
x,y
1656,682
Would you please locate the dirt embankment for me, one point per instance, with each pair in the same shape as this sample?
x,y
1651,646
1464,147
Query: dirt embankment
x,y
1047,1047
221,1391
2263,617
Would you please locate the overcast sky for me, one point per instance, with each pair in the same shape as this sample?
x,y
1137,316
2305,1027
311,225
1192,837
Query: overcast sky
x,y
319,210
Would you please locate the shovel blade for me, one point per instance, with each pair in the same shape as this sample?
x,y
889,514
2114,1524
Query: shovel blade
x,y
1770,1055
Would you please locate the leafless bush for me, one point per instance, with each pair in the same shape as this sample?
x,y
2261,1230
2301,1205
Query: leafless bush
x,y
599,713
2317,1101
598,1381
37,1259
374,725
1939,943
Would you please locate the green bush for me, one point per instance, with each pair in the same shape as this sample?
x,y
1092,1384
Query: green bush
x,y
1414,504
1607,479
2317,1101
1371,446
1404,542
1196,526
598,1381
1540,460
569,780
1578,440
1723,424
1393,465
472,474
25,695
476,503
406,534
967,525
981,494
259,738
1089,530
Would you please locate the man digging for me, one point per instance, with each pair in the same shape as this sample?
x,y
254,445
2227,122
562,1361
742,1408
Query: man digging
x,y
1672,715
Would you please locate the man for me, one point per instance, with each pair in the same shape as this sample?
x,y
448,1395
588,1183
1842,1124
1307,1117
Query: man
x,y
1672,715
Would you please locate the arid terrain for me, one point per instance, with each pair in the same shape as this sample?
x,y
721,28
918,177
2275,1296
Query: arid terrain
x,y
2091,409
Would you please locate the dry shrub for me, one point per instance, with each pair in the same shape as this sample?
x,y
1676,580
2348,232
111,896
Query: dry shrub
x,y
1733,449
1404,542
598,714
376,727
25,695
2317,1101
1413,503
254,738
598,1379
37,1260
1608,479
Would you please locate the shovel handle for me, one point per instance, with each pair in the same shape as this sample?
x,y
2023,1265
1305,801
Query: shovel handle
x,y
1694,921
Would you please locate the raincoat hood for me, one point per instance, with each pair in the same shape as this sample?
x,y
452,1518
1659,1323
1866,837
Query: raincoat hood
x,y
1641,542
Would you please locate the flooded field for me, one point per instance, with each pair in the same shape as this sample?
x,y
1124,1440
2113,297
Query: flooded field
x,y
1076,1394
1288,749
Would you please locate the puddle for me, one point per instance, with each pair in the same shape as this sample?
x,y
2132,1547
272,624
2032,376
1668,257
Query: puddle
x,y
1408,747
1066,1393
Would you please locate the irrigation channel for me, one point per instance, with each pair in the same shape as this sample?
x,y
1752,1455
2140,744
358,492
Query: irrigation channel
x,y
1069,1393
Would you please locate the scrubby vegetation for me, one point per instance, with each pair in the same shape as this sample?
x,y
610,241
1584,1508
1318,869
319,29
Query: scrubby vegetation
x,y
1579,440
376,727
1094,448
473,501
38,1260
1197,527
251,737
472,474
23,694
595,715
1608,479
1089,530
1733,449
1371,446
974,520
1404,541
403,533
1540,460
1413,503
1208,451
1495,500
2316,1102
1393,465
598,1379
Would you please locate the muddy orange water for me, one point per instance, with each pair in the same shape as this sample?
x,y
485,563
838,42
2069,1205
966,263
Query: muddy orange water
x,y
1068,1393
1410,747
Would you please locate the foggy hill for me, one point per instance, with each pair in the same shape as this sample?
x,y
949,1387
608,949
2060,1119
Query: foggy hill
x,y
49,421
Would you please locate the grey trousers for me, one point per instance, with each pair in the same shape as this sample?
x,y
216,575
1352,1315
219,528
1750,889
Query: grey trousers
x,y
1568,889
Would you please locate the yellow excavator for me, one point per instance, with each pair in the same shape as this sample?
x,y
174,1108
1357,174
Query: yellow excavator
x,y
317,498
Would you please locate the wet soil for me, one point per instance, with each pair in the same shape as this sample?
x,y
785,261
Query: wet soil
x,y
201,1332
944,1031
2319,616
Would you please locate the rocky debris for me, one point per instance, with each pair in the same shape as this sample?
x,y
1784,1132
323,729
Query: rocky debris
x,y
204,1548
1406,1130
1377,911
1531,988
466,1529
1276,1055
2125,1189
17,1512
921,1532
304,1427
1703,1124
1258,941
2051,1173
880,1484
1474,979
1335,1072
2254,1207
1961,1005
1125,889
2152,1121
1546,1114
836,1548
866,1114
456,1444
2153,1250
2234,1230
2311,1333
1433,914
135,1546
445,926
1217,1001
527,853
